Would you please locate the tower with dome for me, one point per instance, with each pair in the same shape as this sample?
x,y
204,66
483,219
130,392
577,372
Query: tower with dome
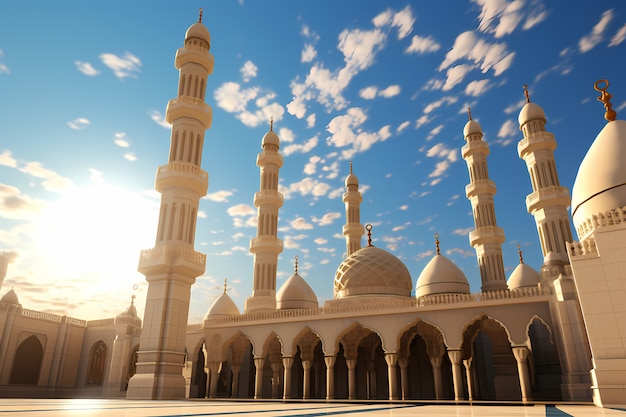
x,y
554,333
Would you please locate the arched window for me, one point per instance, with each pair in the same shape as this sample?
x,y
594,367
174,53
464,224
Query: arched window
x,y
97,360
27,362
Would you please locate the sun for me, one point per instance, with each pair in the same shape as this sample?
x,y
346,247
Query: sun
x,y
96,233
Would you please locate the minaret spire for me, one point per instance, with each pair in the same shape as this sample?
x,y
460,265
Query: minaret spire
x,y
266,246
487,237
549,201
353,229
605,97
172,266
200,16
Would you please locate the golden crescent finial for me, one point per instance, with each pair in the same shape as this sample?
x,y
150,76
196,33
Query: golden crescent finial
x,y
519,252
225,286
368,227
469,113
296,263
605,97
526,93
437,243
200,16
350,167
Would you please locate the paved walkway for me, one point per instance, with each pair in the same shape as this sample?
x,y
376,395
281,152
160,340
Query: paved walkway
x,y
196,408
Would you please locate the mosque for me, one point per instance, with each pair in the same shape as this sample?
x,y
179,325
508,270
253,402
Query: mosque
x,y
555,334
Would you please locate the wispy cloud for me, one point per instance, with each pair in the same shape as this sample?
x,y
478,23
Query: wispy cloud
x,y
158,118
79,123
86,68
591,40
619,36
120,140
124,66
248,71
219,196
327,219
421,45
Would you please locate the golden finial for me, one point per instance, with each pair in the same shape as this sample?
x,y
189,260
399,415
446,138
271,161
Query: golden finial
x,y
271,123
368,227
605,97
225,286
200,17
132,299
526,93
519,252
469,113
437,243
350,167
296,264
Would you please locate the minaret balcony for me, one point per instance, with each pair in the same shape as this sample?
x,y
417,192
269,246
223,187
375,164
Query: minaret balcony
x,y
486,234
166,259
353,229
269,158
196,55
268,197
536,141
266,244
186,106
470,148
184,175
480,187
548,196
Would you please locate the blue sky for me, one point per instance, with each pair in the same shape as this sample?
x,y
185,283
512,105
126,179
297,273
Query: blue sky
x,y
83,90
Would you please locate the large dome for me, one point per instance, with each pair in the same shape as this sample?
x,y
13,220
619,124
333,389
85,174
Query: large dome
x,y
600,184
441,276
295,293
372,271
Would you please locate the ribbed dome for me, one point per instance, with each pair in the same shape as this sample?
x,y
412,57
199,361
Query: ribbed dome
x,y
600,184
530,111
372,271
441,276
270,138
10,297
222,306
523,276
198,30
471,127
296,293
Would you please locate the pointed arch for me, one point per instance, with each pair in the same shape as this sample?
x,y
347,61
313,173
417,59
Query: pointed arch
x,y
27,362
97,362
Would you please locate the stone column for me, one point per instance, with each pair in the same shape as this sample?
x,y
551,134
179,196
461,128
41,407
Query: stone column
x,y
371,379
392,362
404,376
306,380
214,371
435,362
521,356
456,357
275,379
330,376
287,364
258,378
235,385
470,382
351,364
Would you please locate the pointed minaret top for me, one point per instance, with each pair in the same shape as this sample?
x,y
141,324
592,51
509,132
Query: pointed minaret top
x,y
469,113
132,299
296,265
225,285
350,167
521,256
369,234
272,124
605,97
526,93
437,243
200,16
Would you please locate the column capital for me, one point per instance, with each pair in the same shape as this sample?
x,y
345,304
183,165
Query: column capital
x,y
330,360
455,355
520,353
391,358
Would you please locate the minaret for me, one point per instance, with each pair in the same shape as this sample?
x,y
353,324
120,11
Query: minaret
x,y
487,238
172,266
266,246
353,229
4,263
549,201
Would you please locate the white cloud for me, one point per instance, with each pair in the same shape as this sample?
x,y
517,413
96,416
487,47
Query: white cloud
x,y
248,71
86,68
448,100
52,180
120,141
130,156
4,69
310,120
619,36
232,98
420,45
320,241
219,196
327,219
302,148
158,118
402,126
368,93
125,66
311,167
15,205
300,224
79,123
588,42
464,253
7,160
503,17
508,129
286,135
462,232
304,187
391,91
477,87
241,210
402,20
308,53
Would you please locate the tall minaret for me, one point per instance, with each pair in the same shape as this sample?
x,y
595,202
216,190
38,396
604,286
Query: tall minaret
x,y
266,246
487,238
172,266
549,201
353,229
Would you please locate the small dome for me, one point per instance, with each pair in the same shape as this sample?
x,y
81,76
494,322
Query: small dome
x,y
198,30
553,259
530,111
10,297
372,271
523,276
441,276
131,311
270,138
600,184
223,306
351,179
471,127
295,293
